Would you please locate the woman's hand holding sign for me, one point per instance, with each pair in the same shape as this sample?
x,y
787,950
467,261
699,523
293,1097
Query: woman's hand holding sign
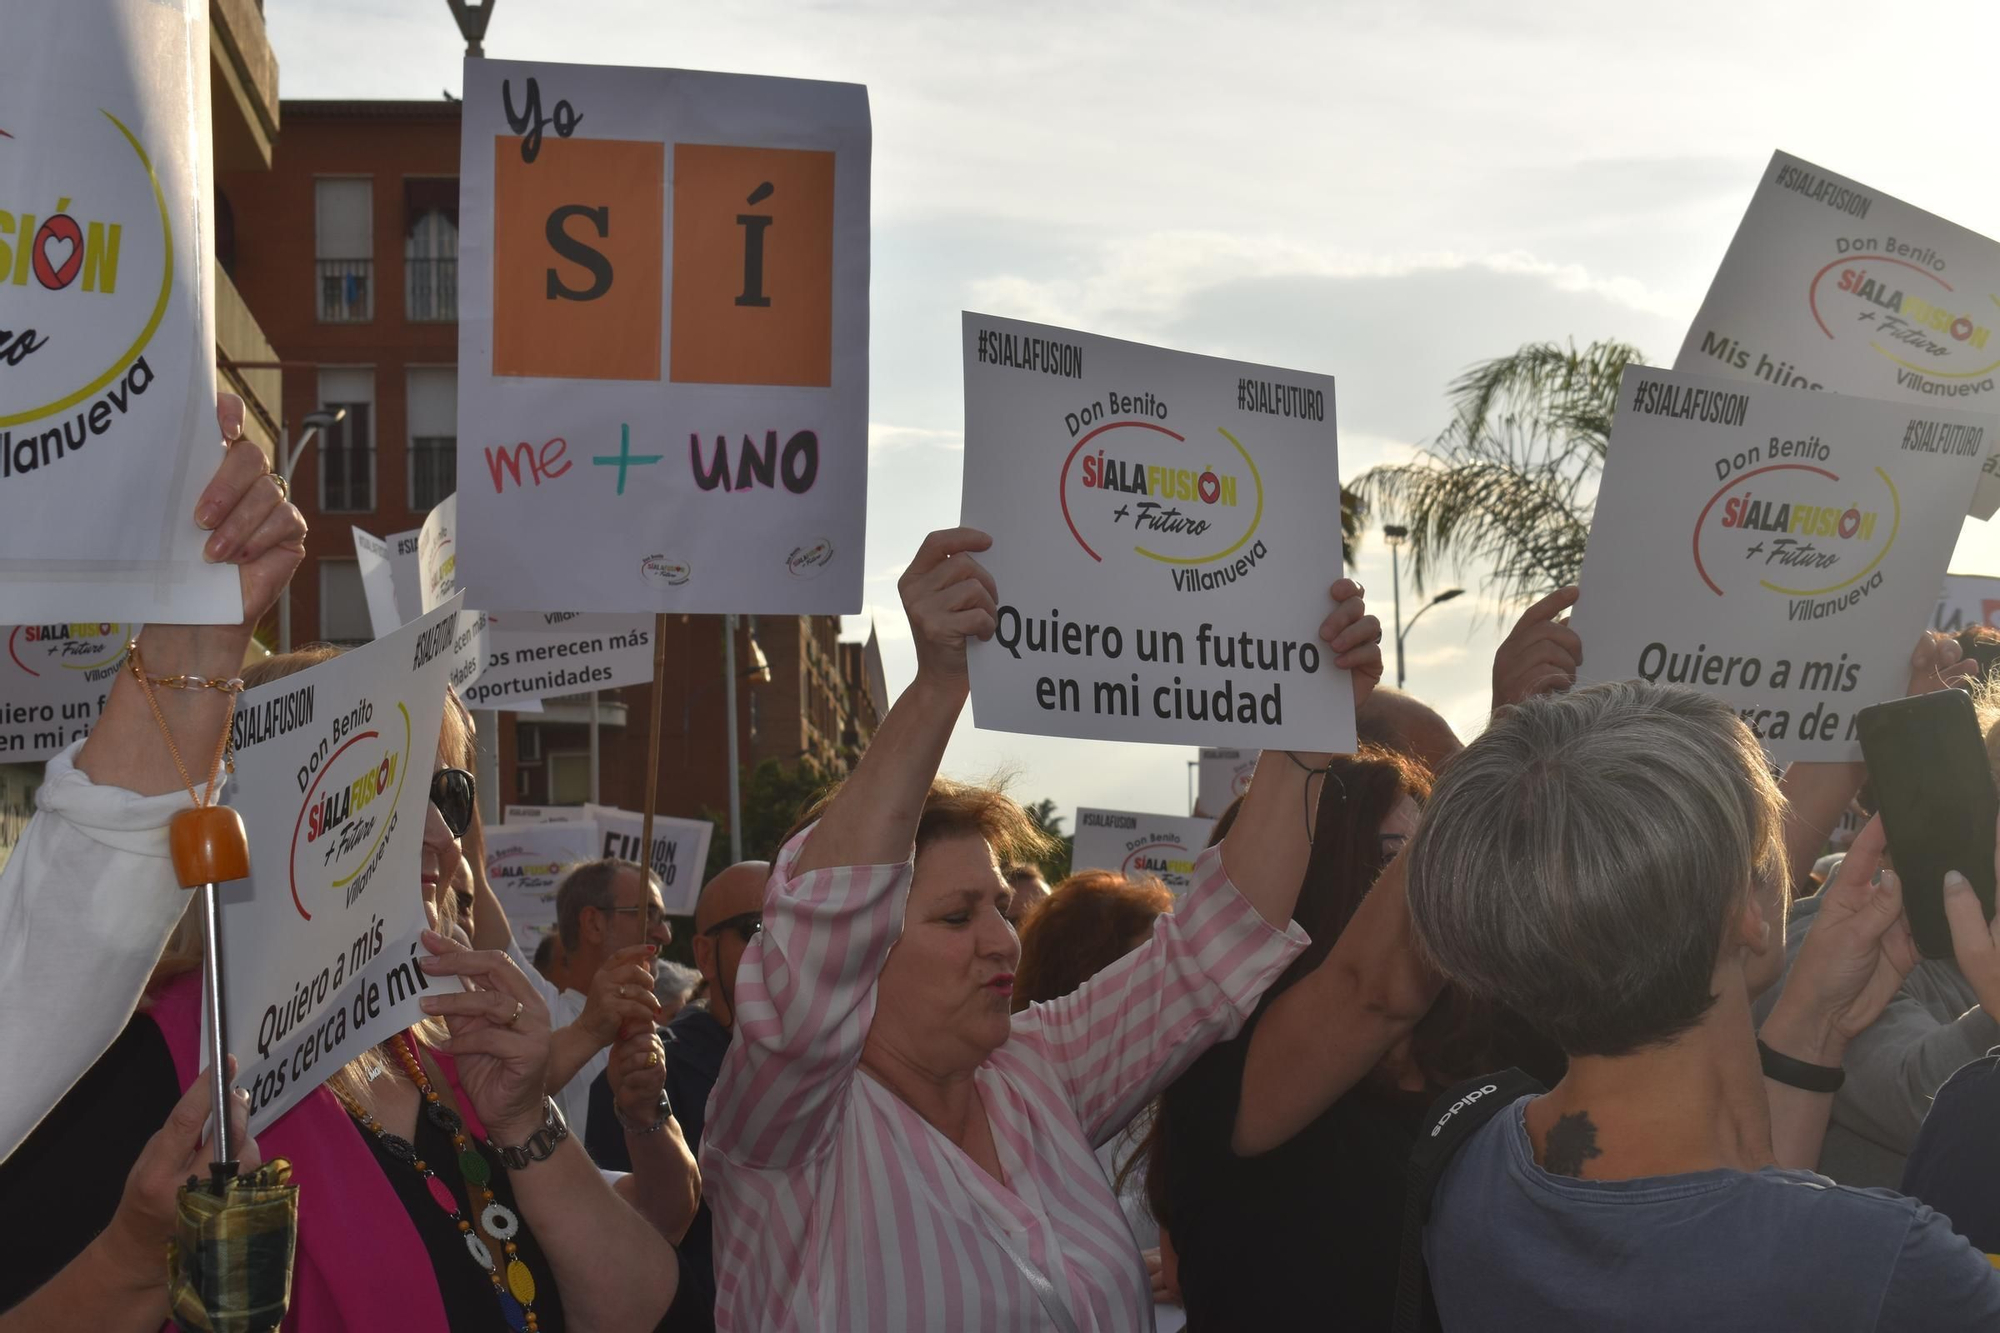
x,y
1354,637
499,1035
949,598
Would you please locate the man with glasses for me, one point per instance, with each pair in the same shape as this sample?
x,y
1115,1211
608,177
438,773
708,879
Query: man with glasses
x,y
606,912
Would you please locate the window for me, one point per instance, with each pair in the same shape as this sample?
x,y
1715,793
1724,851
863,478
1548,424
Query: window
x,y
344,249
528,745
343,606
433,413
569,777
430,248
347,450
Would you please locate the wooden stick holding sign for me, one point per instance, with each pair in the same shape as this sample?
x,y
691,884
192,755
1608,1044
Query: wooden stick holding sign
x,y
653,742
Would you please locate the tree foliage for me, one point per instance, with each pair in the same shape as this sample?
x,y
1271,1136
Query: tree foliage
x,y
1511,482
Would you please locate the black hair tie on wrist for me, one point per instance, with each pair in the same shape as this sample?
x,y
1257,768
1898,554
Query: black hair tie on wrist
x,y
1799,1073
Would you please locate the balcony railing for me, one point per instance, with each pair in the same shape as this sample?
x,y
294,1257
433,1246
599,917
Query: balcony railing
x,y
430,289
346,291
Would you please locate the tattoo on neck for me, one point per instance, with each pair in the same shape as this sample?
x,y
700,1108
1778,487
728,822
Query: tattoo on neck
x,y
1572,1141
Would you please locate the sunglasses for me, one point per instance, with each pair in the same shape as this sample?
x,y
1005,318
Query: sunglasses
x,y
453,793
745,924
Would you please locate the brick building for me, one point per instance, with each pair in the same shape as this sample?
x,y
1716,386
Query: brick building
x,y
348,247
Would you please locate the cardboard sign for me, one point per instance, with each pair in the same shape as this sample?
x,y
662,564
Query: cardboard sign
x,y
107,378
1830,284
1777,548
54,681
1224,776
680,850
526,656
663,340
1160,541
1137,845
333,777
1967,599
526,863
391,578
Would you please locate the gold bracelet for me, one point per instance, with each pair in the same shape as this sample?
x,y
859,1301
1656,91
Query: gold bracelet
x,y
233,685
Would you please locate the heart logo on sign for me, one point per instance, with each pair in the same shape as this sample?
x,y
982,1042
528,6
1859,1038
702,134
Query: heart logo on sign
x,y
57,251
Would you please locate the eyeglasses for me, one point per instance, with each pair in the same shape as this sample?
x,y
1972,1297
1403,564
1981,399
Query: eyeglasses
x,y
654,916
745,924
453,793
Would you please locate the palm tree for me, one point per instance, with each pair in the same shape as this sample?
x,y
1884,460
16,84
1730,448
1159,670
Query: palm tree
x,y
1511,482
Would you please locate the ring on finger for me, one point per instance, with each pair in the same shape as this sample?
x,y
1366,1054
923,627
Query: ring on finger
x,y
284,487
624,992
514,1017
652,1059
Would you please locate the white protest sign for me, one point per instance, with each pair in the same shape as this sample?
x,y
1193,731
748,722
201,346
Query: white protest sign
x,y
391,577
663,339
525,656
544,814
107,403
54,680
1830,284
1134,845
680,850
333,779
1777,548
525,863
1160,542
1967,599
1224,775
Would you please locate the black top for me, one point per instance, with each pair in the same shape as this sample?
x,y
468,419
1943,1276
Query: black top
x,y
1955,1165
68,1176
1307,1235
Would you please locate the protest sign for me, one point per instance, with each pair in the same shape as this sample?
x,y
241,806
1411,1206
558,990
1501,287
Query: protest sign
x,y
390,577
525,864
543,814
1778,548
107,406
1830,284
524,656
333,778
663,339
1967,599
54,680
1224,775
680,850
1163,548
1133,844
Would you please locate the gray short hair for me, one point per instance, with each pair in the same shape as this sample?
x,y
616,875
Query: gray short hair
x,y
1579,861
589,885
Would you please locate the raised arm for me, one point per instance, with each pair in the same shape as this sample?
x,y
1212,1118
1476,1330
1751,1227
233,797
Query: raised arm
x,y
805,989
89,896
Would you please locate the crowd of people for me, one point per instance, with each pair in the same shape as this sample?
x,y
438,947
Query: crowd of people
x,y
908,1084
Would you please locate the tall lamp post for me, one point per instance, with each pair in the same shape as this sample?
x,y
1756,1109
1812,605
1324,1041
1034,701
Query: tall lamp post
x,y
1394,535
288,459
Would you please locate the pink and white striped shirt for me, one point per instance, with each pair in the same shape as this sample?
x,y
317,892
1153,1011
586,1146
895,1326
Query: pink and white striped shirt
x,y
838,1207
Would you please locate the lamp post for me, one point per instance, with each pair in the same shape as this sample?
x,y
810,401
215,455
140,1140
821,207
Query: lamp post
x,y
288,459
1395,534
760,671
1444,596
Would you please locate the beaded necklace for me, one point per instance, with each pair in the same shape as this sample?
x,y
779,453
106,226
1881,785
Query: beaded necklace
x,y
516,1293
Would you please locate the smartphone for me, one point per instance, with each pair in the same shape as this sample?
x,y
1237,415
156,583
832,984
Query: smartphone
x,y
1934,787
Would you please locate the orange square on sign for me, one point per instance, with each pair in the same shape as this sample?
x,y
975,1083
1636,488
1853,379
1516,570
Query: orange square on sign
x,y
577,245
753,266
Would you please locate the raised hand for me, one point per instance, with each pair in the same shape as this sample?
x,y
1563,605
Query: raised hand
x,y
1354,638
949,598
637,1074
621,996
499,1035
1938,663
250,517
1859,949
144,1221
1541,653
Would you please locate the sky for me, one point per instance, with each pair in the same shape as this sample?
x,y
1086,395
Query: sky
x,y
1383,193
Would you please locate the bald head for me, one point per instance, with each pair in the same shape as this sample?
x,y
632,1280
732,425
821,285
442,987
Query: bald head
x,y
736,890
1406,724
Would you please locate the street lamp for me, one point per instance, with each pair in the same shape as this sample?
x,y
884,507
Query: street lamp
x,y
1394,535
288,459
1444,596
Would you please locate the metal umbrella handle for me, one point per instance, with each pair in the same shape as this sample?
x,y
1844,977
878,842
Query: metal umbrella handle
x,y
210,848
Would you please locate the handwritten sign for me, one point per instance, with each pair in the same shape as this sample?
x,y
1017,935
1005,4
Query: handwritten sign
x,y
1777,548
1224,775
1137,845
526,864
107,383
333,769
663,378
1160,542
54,680
680,850
1831,284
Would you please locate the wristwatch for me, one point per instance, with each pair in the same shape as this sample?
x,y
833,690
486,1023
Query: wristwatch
x,y
663,1111
541,1143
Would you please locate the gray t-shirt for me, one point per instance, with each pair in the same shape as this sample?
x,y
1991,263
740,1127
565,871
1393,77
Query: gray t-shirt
x,y
1512,1247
